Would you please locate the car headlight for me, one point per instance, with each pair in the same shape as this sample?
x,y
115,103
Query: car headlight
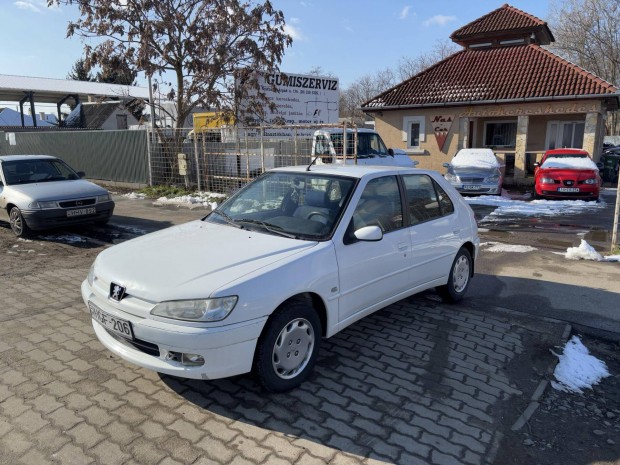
x,y
103,198
451,177
40,205
196,310
590,181
492,179
547,180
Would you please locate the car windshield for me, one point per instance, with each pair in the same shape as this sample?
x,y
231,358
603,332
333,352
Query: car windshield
x,y
368,144
36,170
295,205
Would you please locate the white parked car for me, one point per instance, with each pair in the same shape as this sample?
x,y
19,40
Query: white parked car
x,y
295,256
327,147
41,192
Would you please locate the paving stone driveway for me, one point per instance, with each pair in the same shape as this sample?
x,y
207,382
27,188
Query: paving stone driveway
x,y
418,382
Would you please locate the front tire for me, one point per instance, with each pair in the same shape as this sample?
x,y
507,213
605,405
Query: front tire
x,y
18,225
287,349
459,278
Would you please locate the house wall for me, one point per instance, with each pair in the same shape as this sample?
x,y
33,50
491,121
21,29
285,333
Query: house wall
x,y
532,118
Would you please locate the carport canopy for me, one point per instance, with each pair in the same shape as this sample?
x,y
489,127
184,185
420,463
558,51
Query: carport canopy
x,y
24,89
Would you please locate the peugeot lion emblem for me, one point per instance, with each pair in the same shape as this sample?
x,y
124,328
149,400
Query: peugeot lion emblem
x,y
117,292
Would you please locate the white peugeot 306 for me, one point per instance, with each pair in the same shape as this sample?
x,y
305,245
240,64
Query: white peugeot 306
x,y
295,256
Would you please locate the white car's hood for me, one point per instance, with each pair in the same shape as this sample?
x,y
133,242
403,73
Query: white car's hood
x,y
58,190
191,260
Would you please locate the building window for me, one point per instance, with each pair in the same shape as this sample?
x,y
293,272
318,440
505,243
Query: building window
x,y
565,134
121,122
500,134
413,131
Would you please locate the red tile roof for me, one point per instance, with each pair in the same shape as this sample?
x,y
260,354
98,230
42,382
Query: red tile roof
x,y
493,74
504,21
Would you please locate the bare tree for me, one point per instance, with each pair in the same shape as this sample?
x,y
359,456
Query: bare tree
x,y
410,66
205,52
371,85
587,32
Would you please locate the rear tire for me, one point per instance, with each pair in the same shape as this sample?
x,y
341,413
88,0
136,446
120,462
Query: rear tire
x,y
459,278
18,224
288,347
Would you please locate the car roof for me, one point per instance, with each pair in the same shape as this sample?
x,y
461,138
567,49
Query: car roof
x,y
25,157
353,171
567,152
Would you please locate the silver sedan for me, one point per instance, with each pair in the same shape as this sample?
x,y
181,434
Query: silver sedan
x,y
41,192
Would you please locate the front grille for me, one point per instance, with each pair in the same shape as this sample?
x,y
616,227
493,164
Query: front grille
x,y
471,180
143,346
569,183
77,203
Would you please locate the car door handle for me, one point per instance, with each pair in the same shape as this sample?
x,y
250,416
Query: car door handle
x,y
403,246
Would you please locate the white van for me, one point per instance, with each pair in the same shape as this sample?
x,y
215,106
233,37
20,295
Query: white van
x,y
327,145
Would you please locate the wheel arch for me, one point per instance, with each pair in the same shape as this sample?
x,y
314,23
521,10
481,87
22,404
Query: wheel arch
x,y
469,246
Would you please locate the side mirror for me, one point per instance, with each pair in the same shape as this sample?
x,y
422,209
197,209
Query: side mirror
x,y
81,174
391,152
536,164
369,234
446,165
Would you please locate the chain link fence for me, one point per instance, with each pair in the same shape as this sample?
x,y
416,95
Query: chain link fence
x,y
222,160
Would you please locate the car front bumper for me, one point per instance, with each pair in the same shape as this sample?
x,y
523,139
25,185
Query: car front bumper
x,y
584,192
59,217
478,189
227,350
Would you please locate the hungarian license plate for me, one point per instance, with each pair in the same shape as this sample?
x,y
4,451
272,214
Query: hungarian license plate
x,y
118,325
81,211
471,187
568,189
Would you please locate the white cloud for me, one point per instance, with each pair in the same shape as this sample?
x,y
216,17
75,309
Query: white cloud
x,y
28,5
405,12
293,31
439,20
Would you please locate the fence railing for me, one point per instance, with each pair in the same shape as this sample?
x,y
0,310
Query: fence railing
x,y
222,160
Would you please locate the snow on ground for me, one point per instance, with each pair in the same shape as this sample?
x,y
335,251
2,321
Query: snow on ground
x,y
205,199
499,247
510,207
586,252
577,369
70,238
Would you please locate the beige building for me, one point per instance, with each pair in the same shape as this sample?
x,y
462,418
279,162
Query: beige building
x,y
503,91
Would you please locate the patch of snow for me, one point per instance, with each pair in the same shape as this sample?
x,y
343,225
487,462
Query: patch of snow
x,y
612,258
135,195
577,369
131,229
21,239
506,206
584,252
475,157
571,163
499,247
205,199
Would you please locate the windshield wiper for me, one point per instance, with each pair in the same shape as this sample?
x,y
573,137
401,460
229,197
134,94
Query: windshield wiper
x,y
269,227
228,219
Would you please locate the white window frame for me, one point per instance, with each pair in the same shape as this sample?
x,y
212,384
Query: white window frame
x,y
407,122
560,132
486,125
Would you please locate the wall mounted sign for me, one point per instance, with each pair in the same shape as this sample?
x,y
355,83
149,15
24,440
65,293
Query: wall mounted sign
x,y
441,127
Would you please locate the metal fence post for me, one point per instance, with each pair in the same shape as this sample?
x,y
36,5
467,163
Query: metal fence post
x,y
149,135
197,159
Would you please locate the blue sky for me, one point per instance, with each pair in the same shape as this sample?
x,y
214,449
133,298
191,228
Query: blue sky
x,y
347,38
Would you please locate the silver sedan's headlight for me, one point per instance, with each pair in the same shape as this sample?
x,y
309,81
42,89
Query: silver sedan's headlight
x,y
196,310
103,198
40,205
451,177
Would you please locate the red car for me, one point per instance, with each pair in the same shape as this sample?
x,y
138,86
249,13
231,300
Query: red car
x,y
567,174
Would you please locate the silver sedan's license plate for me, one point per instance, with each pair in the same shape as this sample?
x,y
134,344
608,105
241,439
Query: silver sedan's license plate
x,y
568,189
81,211
117,325
471,188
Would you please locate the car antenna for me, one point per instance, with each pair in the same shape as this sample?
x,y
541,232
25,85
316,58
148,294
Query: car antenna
x,y
313,161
